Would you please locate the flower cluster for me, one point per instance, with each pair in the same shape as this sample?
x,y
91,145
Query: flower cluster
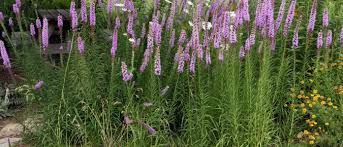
x,y
312,106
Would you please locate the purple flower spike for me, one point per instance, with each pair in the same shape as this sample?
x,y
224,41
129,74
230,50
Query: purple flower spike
x,y
320,40
38,23
81,45
329,39
150,129
92,15
312,19
32,30
245,12
45,34
127,120
289,18
172,39
10,22
18,3
127,76
326,18
145,60
226,25
192,64
39,85
60,21
233,35
117,25
84,18
130,26
1,17
170,20
280,15
110,7
181,60
295,40
73,13
157,65
114,44
15,9
4,55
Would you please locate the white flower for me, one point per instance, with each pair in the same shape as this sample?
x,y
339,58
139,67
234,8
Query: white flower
x,y
190,23
125,34
186,11
132,40
189,3
206,25
168,1
124,9
119,5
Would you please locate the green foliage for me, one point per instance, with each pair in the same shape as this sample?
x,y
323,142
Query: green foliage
x,y
234,102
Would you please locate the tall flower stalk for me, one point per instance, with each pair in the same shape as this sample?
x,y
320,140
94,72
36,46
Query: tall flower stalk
x,y
2,23
6,60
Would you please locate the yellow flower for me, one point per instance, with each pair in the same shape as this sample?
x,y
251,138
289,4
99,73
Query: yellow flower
x,y
306,132
315,91
311,142
330,103
326,124
310,105
311,137
292,89
316,133
302,105
323,102
335,107
302,82
304,110
314,116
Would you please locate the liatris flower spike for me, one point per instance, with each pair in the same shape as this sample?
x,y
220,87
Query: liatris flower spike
x,y
127,76
73,13
117,25
1,17
114,44
280,15
4,55
15,9
60,22
39,85
328,39
81,45
84,18
32,30
320,40
341,37
313,15
110,7
38,23
92,16
326,18
45,35
18,3
289,18
157,65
